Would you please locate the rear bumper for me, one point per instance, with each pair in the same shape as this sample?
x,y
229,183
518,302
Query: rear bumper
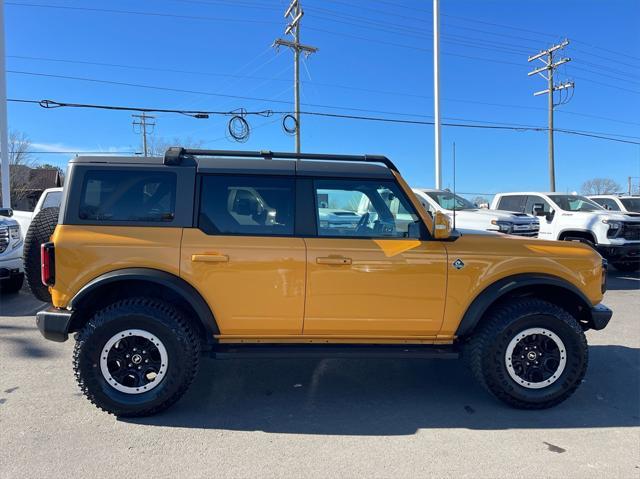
x,y
54,324
627,252
600,316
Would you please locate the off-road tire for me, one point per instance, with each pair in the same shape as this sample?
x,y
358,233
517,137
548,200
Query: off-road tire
x,y
40,231
627,266
12,285
485,352
157,317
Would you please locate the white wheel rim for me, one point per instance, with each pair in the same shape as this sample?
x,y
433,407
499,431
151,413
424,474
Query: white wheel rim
x,y
512,366
143,387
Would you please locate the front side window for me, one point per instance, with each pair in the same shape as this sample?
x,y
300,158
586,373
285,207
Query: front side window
x,y
575,203
124,195
247,205
534,202
363,208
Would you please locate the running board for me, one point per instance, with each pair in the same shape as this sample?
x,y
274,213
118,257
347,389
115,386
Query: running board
x,y
322,351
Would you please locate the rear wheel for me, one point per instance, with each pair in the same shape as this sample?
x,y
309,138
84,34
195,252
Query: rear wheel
x,y
136,357
40,231
529,353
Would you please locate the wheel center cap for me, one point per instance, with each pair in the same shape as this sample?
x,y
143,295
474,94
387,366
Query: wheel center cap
x,y
532,355
136,359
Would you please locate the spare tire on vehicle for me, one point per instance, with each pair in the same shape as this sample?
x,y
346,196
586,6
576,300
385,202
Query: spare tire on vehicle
x,y
40,231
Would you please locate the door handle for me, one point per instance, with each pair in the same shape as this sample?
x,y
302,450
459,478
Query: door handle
x,y
333,260
210,258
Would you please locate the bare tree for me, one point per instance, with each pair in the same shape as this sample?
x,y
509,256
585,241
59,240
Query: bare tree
x,y
20,163
600,186
158,145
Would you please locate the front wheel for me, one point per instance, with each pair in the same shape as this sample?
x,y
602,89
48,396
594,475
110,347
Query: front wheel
x,y
136,357
529,353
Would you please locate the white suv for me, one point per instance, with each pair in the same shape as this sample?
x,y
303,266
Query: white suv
x,y
11,267
469,216
576,218
626,204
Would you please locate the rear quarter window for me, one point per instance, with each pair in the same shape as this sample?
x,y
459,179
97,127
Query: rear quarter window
x,y
128,196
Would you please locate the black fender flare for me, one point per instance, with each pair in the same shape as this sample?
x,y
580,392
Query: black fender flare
x,y
502,287
162,278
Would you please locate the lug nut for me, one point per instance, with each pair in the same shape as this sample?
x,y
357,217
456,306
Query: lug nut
x,y
130,365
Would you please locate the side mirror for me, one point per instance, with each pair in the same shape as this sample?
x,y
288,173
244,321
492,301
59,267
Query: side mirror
x,y
6,212
441,226
549,216
538,209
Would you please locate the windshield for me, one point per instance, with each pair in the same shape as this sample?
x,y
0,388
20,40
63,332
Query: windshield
x,y
631,204
575,203
448,200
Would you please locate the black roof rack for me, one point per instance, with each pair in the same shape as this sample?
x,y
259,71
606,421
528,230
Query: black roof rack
x,y
175,155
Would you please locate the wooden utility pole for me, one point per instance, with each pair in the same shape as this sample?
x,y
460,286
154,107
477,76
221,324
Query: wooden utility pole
x,y
295,13
146,125
547,58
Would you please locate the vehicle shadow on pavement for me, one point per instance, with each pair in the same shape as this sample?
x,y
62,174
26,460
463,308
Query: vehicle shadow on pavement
x,y
22,303
390,397
617,281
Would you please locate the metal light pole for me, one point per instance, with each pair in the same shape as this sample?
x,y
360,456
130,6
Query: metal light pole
x,y
4,137
436,92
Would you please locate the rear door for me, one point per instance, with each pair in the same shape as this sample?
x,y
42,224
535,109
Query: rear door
x,y
243,256
376,277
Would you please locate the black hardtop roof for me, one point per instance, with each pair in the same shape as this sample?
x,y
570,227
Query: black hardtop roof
x,y
258,162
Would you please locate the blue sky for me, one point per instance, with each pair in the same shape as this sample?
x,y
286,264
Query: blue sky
x,y
373,55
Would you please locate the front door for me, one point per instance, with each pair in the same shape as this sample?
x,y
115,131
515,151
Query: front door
x,y
243,257
373,275
547,226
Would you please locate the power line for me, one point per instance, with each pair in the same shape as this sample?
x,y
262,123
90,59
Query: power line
x,y
322,84
494,126
146,14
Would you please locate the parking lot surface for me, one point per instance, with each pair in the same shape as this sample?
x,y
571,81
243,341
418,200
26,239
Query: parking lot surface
x,y
322,418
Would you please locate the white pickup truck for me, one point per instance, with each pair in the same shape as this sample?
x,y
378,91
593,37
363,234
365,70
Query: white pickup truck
x,y
567,217
471,217
628,205
49,197
11,241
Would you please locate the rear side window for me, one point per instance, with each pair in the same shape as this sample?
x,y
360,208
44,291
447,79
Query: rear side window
x,y
124,195
247,205
512,203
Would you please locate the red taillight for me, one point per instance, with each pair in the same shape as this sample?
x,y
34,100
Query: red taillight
x,y
47,264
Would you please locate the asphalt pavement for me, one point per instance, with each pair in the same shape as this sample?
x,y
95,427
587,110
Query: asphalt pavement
x,y
322,418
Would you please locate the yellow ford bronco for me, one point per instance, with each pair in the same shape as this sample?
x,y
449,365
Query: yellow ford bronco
x,y
154,261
